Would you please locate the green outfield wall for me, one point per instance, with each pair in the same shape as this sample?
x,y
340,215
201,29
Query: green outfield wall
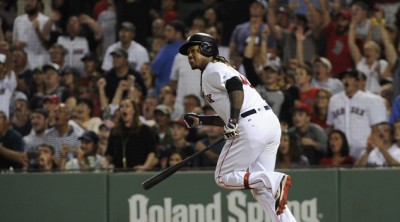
x,y
326,195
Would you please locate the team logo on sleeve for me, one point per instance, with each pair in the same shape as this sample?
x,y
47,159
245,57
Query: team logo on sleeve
x,y
208,98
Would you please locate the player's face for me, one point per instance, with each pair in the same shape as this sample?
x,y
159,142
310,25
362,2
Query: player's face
x,y
196,59
335,142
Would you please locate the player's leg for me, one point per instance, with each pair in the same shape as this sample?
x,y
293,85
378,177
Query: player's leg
x,y
257,132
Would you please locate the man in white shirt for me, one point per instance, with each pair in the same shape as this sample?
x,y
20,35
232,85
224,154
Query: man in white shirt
x,y
137,54
27,35
380,150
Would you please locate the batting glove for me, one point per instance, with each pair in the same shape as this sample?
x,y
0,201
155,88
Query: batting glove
x,y
231,129
190,119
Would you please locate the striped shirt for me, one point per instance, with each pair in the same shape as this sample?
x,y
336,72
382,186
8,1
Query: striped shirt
x,y
70,139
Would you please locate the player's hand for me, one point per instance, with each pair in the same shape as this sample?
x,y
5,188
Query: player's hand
x,y
191,120
231,129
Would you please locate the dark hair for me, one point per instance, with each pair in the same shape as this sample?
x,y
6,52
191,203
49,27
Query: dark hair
x,y
344,149
120,128
295,148
47,146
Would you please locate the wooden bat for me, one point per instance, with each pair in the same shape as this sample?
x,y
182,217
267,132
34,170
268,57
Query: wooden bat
x,y
172,169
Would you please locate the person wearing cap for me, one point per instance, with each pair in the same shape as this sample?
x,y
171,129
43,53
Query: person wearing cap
x,y
161,67
249,153
322,76
121,77
11,146
312,137
104,132
179,132
39,120
53,81
267,85
91,71
131,145
162,117
137,53
87,157
27,35
354,112
337,39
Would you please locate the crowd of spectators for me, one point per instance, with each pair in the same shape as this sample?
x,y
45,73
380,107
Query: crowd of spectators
x,y
100,85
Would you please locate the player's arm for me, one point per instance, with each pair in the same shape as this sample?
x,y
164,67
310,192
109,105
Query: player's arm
x,y
234,86
194,120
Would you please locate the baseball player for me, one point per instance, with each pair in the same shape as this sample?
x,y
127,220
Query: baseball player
x,y
252,130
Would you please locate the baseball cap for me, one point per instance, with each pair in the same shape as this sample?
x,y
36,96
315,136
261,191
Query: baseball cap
x,y
128,26
89,56
37,69
179,122
89,136
275,66
163,108
2,58
345,13
51,66
119,52
52,98
301,108
283,10
108,124
20,96
3,114
325,61
263,3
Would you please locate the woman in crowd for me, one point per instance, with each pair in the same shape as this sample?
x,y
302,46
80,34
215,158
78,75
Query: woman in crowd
x,y
131,145
338,151
289,153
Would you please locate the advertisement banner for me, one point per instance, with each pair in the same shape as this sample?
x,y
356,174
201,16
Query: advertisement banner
x,y
194,197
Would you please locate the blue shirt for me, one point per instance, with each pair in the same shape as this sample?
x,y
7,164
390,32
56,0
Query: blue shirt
x,y
162,64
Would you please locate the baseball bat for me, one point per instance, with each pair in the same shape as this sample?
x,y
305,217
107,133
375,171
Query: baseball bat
x,y
172,169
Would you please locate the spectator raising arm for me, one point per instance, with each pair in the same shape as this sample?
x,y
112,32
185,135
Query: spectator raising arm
x,y
275,29
300,37
326,16
354,50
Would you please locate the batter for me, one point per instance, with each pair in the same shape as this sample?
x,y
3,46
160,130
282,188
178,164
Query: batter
x,y
251,129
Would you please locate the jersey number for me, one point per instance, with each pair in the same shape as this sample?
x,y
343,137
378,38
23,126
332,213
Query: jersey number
x,y
245,81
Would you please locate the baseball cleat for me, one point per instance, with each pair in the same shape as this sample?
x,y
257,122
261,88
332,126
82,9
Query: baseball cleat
x,y
281,195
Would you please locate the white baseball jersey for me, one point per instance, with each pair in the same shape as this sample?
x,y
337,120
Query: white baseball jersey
x,y
256,147
376,158
355,116
213,85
